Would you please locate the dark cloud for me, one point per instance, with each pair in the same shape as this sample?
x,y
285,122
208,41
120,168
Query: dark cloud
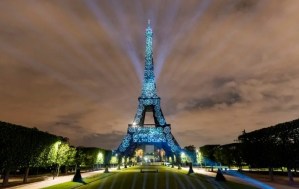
x,y
66,128
246,5
224,92
221,81
227,99
201,137
105,140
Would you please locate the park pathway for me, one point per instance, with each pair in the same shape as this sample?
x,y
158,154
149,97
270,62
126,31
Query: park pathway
x,y
260,183
183,181
49,181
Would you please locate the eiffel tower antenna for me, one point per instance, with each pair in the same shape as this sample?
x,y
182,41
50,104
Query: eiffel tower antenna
x,y
149,83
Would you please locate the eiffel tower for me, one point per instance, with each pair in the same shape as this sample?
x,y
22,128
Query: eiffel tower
x,y
159,133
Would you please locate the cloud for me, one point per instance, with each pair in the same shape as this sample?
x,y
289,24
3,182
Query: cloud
x,y
104,140
227,99
246,5
222,92
64,71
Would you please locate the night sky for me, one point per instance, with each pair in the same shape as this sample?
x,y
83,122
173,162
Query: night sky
x,y
74,68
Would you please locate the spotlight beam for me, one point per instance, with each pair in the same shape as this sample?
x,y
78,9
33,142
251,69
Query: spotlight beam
x,y
104,21
100,50
186,27
208,57
71,42
52,47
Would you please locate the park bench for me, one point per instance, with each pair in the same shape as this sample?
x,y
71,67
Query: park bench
x,y
149,171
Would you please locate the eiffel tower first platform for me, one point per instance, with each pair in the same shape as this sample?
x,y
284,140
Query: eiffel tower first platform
x,y
159,133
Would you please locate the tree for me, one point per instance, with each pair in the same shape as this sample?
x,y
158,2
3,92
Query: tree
x,y
191,153
208,153
89,156
21,147
275,146
107,159
199,157
61,156
38,142
100,157
71,158
13,144
229,154
114,160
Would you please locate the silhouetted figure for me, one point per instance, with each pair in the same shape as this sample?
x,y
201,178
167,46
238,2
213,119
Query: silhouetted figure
x,y
106,169
219,176
190,169
78,177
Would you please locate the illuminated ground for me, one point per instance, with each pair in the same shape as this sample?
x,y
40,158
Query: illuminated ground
x,y
168,178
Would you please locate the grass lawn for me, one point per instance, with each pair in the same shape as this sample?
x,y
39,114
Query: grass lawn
x,y
168,178
68,185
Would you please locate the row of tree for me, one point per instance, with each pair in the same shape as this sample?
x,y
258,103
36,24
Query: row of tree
x,y
228,154
273,147
24,148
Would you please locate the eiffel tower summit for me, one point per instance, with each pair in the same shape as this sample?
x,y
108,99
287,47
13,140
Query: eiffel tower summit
x,y
158,133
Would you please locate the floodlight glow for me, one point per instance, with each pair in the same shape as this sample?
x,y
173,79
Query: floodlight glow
x,y
113,160
248,179
56,145
100,158
100,155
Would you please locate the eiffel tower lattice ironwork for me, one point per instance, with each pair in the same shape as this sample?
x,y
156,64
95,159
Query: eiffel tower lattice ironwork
x,y
157,134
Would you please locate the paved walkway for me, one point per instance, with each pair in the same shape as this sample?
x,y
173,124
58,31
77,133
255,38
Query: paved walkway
x,y
49,181
240,178
233,176
280,182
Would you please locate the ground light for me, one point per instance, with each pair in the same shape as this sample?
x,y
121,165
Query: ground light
x,y
199,158
56,145
183,157
100,158
248,179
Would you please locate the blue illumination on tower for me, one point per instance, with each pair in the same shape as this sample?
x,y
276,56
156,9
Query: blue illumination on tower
x,y
149,83
159,133
149,95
